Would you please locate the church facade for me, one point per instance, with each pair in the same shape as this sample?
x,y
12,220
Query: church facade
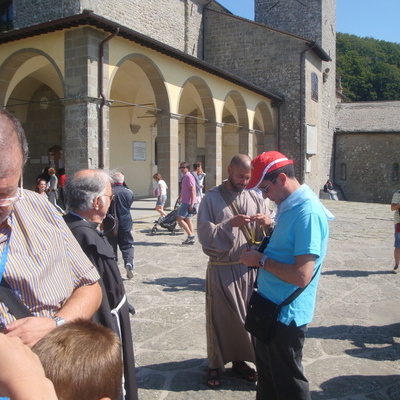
x,y
140,86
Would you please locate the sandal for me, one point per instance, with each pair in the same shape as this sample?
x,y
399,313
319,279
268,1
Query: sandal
x,y
213,379
244,371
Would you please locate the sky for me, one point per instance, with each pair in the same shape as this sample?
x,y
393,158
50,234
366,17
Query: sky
x,y
373,18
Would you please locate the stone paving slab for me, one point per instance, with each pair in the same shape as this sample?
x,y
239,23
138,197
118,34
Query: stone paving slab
x,y
352,349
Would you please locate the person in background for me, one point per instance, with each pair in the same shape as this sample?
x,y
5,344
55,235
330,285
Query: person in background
x,y
52,190
36,242
123,198
201,175
229,283
395,206
83,360
328,188
196,174
291,260
188,202
45,174
61,182
41,187
88,194
161,193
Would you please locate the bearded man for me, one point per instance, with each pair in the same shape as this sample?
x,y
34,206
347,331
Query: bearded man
x,y
224,234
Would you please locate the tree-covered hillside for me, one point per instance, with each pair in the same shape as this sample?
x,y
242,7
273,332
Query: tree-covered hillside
x,y
369,68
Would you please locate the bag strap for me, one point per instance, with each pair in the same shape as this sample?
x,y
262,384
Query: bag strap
x,y
298,291
233,206
13,302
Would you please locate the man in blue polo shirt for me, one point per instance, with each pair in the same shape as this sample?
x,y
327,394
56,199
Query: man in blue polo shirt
x,y
296,250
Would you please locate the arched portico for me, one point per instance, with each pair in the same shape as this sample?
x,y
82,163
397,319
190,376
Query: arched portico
x,y
31,86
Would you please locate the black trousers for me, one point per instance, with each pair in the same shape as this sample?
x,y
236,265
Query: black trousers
x,y
279,365
126,244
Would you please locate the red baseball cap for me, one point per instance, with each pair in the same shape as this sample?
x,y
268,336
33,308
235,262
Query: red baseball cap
x,y
264,163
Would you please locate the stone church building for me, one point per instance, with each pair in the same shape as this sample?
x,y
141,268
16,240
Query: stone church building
x,y
140,86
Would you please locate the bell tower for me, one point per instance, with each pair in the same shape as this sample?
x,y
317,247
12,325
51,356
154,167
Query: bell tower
x,y
314,20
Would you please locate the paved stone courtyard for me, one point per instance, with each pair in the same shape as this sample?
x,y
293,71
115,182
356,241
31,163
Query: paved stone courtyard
x,y
353,347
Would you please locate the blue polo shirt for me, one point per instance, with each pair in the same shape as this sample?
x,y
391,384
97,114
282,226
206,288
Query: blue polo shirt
x,y
301,228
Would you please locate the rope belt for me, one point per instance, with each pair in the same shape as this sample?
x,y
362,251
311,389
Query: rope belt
x,y
223,262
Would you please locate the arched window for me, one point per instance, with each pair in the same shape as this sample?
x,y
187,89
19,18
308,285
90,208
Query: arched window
x,y
314,86
343,172
395,172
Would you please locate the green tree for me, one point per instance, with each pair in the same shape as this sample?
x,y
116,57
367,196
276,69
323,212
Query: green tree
x,y
369,68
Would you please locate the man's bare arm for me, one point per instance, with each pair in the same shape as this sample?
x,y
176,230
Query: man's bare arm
x,y
83,303
299,273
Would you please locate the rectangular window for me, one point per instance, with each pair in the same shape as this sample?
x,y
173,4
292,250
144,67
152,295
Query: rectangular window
x,y
314,86
6,15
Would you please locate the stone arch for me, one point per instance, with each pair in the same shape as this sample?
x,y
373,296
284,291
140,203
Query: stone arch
x,y
31,87
235,132
265,137
13,64
139,111
196,109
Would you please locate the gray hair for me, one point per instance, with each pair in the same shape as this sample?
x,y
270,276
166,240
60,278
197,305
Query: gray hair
x,y
82,189
10,125
119,177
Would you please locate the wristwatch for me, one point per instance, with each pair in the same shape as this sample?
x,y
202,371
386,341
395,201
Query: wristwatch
x,y
261,263
58,320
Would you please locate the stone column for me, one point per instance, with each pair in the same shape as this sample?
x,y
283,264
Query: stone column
x,y
213,132
245,141
82,102
190,141
168,162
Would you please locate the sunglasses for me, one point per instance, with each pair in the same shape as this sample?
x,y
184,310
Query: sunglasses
x,y
265,189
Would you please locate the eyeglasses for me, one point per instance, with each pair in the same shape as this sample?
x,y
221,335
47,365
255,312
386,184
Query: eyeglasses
x,y
265,189
182,167
18,196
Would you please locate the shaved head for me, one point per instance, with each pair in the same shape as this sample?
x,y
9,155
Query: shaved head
x,y
241,160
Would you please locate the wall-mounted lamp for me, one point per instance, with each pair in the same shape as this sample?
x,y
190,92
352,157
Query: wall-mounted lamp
x,y
134,129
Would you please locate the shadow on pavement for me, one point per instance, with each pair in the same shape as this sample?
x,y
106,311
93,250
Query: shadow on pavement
x,y
370,342
188,376
178,284
356,384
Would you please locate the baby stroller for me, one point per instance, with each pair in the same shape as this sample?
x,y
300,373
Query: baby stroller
x,y
167,222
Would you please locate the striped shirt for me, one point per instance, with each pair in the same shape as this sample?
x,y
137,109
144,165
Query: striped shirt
x,y
45,263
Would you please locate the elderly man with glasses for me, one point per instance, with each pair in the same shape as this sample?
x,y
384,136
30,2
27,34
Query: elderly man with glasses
x,y
42,267
88,195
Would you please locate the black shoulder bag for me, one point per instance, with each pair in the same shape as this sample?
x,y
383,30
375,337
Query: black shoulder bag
x,y
14,304
263,314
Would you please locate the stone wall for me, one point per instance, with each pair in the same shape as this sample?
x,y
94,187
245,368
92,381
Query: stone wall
x,y
266,58
176,23
368,160
314,20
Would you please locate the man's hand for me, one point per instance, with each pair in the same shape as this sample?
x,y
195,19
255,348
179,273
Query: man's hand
x,y
251,258
239,220
262,220
21,373
31,329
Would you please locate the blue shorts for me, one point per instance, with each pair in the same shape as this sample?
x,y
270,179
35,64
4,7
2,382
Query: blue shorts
x,y
183,211
161,200
397,236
